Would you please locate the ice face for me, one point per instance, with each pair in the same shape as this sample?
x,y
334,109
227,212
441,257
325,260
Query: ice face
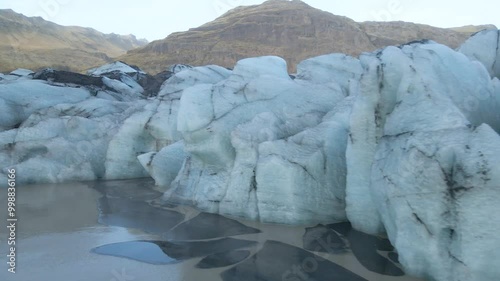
x,y
21,99
59,132
416,130
484,48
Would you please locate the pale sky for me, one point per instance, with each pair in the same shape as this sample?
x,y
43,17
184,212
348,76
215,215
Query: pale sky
x,y
156,19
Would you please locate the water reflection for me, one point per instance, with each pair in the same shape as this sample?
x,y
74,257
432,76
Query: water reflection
x,y
136,214
43,209
282,262
208,226
324,240
223,259
128,204
365,248
137,189
163,252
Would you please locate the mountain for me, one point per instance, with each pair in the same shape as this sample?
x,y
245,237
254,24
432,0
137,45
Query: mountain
x,y
289,29
32,42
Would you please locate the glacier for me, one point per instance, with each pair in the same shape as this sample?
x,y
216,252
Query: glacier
x,y
403,141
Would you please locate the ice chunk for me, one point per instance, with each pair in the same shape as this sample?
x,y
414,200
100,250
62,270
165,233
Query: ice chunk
x,y
131,140
21,72
164,165
116,66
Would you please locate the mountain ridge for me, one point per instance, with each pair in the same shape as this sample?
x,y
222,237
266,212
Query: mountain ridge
x,y
32,42
290,29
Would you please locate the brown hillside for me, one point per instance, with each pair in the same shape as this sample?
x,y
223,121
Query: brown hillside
x,y
289,29
31,42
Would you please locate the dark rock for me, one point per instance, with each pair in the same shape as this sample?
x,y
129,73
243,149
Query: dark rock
x,y
136,214
164,75
223,259
278,261
208,226
324,240
67,77
365,247
423,41
161,252
152,84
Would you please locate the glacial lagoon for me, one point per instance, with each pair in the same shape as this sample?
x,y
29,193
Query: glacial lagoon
x,y
123,231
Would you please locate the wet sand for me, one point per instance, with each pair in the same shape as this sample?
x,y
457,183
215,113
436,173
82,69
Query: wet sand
x,y
62,228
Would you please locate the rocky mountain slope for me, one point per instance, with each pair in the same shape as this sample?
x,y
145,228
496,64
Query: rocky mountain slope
x,y
289,29
31,42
